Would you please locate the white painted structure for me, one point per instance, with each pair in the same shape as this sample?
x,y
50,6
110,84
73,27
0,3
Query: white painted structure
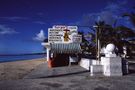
x,y
86,63
109,50
110,65
47,45
62,39
92,65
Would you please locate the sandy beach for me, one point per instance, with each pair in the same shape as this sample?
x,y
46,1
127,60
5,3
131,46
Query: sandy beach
x,y
18,69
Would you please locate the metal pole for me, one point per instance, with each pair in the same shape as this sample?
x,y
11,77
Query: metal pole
x,y
96,42
98,47
98,50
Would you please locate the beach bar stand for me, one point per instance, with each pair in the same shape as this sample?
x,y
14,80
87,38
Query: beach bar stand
x,y
59,54
63,42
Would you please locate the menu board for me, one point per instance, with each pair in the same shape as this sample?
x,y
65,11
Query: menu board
x,y
63,34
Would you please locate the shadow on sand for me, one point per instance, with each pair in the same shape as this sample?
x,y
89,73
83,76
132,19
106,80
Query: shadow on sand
x,y
66,74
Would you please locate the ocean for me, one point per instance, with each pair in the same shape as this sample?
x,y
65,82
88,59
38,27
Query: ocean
x,y
20,57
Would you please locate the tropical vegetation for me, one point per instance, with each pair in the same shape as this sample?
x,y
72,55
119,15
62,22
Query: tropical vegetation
x,y
119,35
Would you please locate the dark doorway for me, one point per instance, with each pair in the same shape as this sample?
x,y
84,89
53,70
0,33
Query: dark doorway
x,y
61,60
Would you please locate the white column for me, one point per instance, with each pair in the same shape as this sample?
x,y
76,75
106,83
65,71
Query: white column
x,y
47,45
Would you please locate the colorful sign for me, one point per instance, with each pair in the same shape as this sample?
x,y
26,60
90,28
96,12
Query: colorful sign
x,y
63,34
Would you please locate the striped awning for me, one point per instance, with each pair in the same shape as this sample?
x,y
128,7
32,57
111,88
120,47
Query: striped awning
x,y
65,48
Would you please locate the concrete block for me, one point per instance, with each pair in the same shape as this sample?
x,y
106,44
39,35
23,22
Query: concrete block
x,y
110,60
96,70
112,66
85,63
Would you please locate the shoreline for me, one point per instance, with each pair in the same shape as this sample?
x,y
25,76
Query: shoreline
x,y
18,69
21,60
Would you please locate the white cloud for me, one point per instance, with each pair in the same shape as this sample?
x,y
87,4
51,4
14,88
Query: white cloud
x,y
111,13
117,7
6,30
40,36
108,17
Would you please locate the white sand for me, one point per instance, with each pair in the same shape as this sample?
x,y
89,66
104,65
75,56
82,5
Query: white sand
x,y
18,69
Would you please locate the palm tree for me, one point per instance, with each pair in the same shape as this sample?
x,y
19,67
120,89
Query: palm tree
x,y
131,16
118,35
85,43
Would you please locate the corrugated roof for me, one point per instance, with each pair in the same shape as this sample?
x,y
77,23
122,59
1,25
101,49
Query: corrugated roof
x,y
65,48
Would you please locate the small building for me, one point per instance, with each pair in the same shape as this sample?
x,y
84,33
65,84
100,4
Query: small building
x,y
63,46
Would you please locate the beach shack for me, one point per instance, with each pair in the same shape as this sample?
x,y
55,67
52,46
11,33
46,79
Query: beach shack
x,y
63,45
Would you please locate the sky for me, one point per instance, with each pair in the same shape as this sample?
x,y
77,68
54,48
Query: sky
x,y
24,23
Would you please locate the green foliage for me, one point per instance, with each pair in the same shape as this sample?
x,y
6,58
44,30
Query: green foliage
x,y
131,16
86,45
119,35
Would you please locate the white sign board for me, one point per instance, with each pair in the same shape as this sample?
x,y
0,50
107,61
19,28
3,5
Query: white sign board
x,y
55,35
60,27
77,38
63,34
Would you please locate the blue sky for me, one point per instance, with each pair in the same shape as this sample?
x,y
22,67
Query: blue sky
x,y
24,23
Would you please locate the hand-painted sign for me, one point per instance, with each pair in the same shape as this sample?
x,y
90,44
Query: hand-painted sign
x,y
77,38
55,35
63,34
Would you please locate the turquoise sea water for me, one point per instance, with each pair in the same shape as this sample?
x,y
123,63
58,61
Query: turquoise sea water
x,y
20,57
